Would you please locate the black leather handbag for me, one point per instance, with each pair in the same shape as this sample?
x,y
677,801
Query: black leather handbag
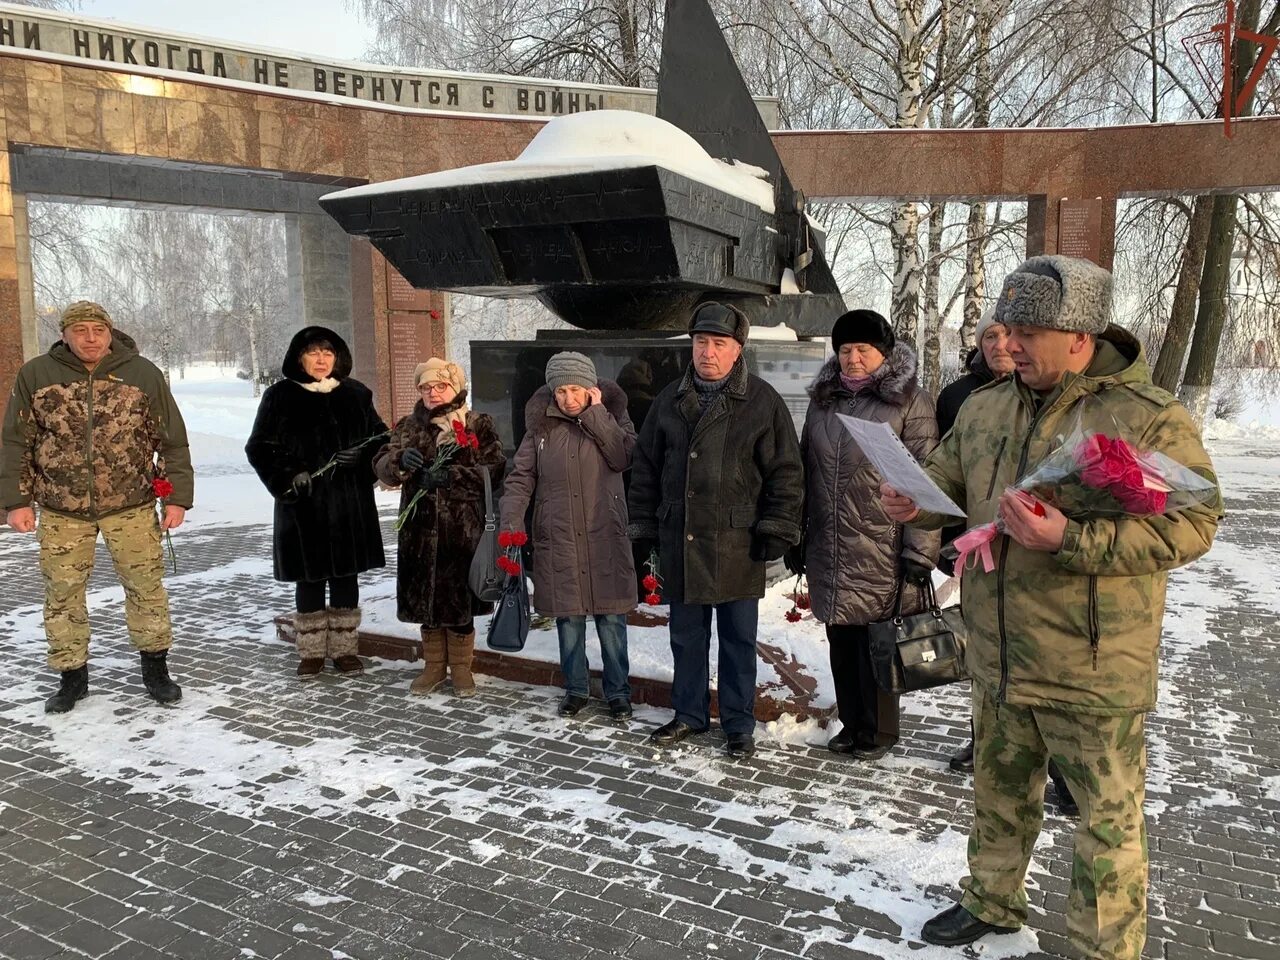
x,y
509,627
484,578
919,651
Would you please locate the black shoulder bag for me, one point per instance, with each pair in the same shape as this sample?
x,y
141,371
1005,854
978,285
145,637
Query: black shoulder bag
x,y
920,651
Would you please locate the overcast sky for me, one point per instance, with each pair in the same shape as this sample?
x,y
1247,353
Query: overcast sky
x,y
326,28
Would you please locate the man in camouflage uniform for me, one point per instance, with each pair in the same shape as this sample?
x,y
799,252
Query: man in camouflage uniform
x,y
1064,634
89,426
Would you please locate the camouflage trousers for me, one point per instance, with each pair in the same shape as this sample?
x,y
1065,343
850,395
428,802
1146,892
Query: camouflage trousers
x,y
66,561
1104,761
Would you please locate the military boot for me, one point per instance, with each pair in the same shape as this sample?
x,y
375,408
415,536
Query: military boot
x,y
461,650
155,677
74,686
433,656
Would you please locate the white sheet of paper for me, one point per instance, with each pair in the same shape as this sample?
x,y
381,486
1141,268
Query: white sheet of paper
x,y
897,466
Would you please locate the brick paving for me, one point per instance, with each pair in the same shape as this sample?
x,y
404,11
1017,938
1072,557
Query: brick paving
x,y
488,829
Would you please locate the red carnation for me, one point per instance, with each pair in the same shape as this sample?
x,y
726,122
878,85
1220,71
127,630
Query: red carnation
x,y
803,601
793,615
504,539
162,488
653,599
519,538
508,566
650,583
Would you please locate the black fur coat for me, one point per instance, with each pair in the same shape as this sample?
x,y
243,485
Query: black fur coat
x,y
333,532
438,541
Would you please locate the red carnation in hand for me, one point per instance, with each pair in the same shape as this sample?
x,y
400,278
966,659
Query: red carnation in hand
x,y
793,615
504,539
162,488
653,599
650,583
519,538
508,566
803,601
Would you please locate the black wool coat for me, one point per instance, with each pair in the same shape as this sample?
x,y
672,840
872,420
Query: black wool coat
x,y
706,486
440,538
333,532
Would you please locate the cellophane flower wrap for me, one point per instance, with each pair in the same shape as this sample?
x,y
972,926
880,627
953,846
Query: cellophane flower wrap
x,y
1094,474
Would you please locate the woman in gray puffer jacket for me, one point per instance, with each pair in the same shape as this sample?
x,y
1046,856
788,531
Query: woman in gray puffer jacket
x,y
856,558
577,444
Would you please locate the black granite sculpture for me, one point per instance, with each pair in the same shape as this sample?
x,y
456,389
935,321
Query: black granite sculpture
x,y
607,239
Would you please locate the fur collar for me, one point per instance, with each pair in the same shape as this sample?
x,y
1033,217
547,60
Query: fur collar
x,y
736,387
893,383
541,408
442,417
327,385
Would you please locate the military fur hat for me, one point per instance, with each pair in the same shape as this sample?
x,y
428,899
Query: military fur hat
x,y
85,311
1057,293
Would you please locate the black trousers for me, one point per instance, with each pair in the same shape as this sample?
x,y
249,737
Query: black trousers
x,y
866,711
344,593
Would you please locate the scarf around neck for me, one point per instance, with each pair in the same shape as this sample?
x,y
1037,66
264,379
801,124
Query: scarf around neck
x,y
327,385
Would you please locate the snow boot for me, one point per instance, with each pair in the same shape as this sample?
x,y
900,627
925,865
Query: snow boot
x,y
433,655
461,649
344,639
311,633
155,677
74,686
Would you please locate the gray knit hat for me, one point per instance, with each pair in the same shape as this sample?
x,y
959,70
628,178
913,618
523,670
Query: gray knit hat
x,y
985,323
569,367
1057,293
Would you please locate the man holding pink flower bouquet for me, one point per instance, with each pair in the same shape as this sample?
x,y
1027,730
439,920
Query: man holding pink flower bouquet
x,y
1084,485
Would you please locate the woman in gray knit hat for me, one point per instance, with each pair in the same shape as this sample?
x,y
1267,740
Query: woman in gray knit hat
x,y
577,443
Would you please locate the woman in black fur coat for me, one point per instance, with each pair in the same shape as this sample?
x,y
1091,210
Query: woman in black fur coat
x,y
326,522
439,538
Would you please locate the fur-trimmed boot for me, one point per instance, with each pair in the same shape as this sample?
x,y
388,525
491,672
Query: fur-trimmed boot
x,y
461,649
312,633
344,639
434,666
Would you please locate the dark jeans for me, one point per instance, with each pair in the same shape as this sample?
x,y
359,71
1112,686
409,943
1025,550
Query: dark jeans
x,y
344,593
611,628
866,711
690,648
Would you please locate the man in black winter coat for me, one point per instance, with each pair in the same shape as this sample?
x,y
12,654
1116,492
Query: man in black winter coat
x,y
716,488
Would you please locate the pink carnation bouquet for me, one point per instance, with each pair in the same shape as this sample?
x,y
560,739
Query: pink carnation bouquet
x,y
1093,475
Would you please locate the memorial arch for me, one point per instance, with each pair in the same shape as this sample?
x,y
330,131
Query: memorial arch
x,y
72,127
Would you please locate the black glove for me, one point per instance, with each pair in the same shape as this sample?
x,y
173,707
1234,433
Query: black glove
x,y
411,459
431,480
767,547
794,559
916,574
300,485
348,457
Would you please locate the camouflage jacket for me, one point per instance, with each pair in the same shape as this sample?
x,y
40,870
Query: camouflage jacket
x,y
89,444
1079,629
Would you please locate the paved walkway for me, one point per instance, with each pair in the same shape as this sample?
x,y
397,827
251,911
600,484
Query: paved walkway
x,y
341,819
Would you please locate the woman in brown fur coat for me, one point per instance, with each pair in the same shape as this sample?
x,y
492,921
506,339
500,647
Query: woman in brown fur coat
x,y
439,538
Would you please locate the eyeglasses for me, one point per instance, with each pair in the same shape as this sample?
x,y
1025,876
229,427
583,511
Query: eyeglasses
x,y
436,386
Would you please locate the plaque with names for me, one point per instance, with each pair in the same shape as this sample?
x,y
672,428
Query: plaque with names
x,y
408,344
1080,228
401,295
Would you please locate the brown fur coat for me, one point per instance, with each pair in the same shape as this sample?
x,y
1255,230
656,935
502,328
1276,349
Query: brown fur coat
x,y
438,541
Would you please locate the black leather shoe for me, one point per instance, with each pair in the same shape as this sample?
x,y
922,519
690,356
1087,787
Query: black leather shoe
x,y
956,927
740,745
872,751
619,710
672,733
843,742
962,762
570,706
